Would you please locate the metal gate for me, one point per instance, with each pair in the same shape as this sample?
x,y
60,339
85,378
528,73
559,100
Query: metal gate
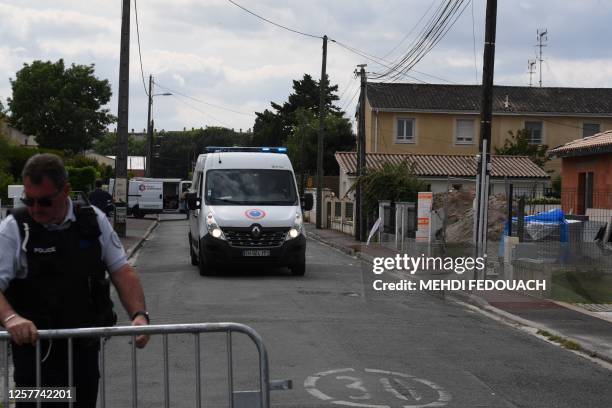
x,y
236,399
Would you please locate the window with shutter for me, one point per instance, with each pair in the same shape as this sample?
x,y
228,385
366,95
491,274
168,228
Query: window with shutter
x,y
464,131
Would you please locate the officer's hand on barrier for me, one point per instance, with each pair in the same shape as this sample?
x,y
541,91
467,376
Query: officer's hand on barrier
x,y
143,339
22,330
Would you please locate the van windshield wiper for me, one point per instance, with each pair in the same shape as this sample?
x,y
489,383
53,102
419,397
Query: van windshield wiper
x,y
276,202
227,200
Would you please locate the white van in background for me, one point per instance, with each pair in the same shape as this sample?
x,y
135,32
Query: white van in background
x,y
244,208
154,195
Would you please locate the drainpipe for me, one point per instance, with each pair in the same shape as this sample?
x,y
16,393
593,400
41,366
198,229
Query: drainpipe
x,y
376,134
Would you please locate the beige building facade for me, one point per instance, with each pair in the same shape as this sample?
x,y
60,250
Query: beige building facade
x,y
436,119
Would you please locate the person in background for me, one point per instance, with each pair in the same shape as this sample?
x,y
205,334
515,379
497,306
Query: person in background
x,y
100,198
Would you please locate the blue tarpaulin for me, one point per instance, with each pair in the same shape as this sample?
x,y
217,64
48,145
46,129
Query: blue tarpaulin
x,y
546,219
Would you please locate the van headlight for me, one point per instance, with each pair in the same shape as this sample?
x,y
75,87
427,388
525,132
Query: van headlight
x,y
297,227
213,228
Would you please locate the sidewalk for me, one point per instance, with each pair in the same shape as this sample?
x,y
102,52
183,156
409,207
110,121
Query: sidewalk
x,y
136,232
592,334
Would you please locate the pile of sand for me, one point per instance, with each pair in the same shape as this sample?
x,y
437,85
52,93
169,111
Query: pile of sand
x,y
456,206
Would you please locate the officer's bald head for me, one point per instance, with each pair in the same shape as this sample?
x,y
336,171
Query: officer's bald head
x,y
45,165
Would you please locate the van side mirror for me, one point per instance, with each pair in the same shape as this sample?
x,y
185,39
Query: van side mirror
x,y
193,202
307,202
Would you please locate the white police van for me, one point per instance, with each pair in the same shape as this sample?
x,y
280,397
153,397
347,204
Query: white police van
x,y
244,208
154,195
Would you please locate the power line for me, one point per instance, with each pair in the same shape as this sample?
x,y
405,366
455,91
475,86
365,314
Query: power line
x,y
432,40
202,112
439,25
346,105
369,57
347,85
273,23
203,102
139,52
411,30
474,41
349,48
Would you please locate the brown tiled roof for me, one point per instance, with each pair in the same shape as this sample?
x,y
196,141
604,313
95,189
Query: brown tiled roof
x,y
437,165
506,99
598,143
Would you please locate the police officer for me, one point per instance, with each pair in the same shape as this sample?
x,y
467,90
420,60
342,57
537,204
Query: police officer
x,y
53,264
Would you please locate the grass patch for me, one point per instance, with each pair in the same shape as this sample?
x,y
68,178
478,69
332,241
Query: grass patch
x,y
582,287
568,344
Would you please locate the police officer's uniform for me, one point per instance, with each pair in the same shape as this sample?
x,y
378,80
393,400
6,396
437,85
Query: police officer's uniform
x,y
55,276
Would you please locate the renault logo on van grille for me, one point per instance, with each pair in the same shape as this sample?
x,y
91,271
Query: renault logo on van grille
x,y
256,231
255,214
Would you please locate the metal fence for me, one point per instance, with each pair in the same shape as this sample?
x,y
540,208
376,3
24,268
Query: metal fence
x,y
550,228
259,398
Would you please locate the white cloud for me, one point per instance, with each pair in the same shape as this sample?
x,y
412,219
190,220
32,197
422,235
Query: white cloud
x,y
179,79
218,53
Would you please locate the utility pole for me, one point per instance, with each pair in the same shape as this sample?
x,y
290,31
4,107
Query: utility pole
x,y
121,182
486,115
321,135
149,160
360,222
542,36
530,65
302,154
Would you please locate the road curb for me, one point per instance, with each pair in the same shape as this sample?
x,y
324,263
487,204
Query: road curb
x,y
132,250
482,304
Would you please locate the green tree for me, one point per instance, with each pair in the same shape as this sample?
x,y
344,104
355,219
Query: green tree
x,y
179,149
338,137
274,127
518,144
61,107
82,178
2,111
394,182
107,145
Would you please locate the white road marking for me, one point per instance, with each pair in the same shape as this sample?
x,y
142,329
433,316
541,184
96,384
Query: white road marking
x,y
356,384
413,392
444,397
389,388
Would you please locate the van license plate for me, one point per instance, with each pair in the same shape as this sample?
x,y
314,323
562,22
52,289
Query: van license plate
x,y
256,252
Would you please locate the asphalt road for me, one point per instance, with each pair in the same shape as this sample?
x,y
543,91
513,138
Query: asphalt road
x,y
340,343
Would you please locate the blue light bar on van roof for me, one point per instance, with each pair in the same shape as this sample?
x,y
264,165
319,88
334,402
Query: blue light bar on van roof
x,y
217,149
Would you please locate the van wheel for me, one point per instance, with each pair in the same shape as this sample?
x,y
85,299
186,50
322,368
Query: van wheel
x,y
203,266
192,254
299,269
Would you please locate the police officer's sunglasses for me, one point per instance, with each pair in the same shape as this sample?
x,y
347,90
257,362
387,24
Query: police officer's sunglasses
x,y
42,202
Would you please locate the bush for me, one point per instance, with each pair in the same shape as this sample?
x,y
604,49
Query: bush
x,y
394,182
5,180
80,160
82,178
543,200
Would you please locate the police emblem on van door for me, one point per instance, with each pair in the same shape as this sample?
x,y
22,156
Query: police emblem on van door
x,y
255,214
256,231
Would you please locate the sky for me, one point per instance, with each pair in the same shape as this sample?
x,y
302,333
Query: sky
x,y
222,64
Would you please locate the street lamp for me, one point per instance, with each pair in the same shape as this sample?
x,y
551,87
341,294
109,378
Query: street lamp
x,y
149,160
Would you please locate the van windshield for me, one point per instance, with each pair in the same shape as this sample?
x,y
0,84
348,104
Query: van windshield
x,y
250,187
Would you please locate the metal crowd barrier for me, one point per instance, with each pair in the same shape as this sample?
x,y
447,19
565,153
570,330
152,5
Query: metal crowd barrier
x,y
236,399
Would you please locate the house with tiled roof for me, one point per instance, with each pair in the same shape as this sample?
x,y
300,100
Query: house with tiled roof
x,y
586,173
445,119
444,172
